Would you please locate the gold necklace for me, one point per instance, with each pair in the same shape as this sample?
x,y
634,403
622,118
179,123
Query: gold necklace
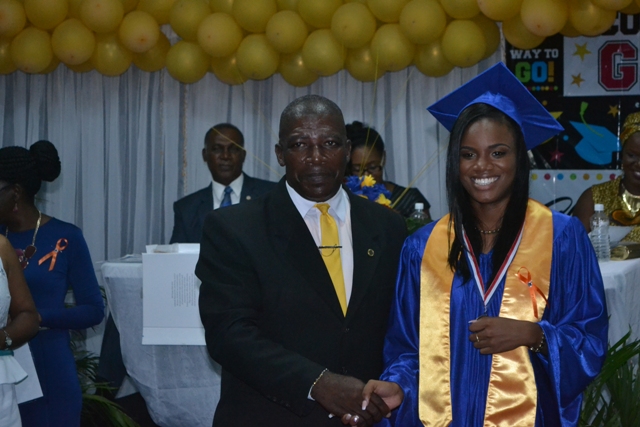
x,y
630,203
494,231
25,255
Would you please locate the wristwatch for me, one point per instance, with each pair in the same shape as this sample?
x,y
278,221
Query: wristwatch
x,y
7,340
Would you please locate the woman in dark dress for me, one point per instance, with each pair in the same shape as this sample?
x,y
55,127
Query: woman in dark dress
x,y
55,258
368,156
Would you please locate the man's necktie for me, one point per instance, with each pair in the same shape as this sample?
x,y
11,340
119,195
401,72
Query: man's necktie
x,y
226,199
330,250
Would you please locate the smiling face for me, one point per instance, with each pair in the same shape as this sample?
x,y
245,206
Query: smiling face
x,y
488,164
314,150
631,163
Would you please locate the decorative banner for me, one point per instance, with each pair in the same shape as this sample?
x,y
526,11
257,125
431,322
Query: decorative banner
x,y
560,189
589,84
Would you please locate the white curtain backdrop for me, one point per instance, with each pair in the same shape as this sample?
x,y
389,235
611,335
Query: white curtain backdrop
x,y
130,145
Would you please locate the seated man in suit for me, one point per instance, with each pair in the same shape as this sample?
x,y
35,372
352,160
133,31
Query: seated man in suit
x,y
297,286
224,154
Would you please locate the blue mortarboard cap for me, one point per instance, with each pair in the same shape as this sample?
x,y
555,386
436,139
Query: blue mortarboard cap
x,y
499,88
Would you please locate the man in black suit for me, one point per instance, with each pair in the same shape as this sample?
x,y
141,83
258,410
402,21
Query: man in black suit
x,y
224,154
292,353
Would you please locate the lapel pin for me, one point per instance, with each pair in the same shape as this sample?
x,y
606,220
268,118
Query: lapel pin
x,y
248,197
370,252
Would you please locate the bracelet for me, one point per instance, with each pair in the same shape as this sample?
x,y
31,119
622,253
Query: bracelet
x,y
318,379
538,348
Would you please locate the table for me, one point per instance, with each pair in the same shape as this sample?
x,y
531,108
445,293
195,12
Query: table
x,y
180,384
622,290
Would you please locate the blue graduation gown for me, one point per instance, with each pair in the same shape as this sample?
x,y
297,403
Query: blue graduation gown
x,y
575,324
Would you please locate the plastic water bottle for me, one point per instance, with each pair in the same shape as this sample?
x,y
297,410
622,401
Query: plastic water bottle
x,y
419,215
600,233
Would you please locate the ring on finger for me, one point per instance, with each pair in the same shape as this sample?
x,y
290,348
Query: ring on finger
x,y
477,338
355,419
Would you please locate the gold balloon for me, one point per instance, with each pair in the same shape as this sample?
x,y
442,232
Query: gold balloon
x,y
186,16
385,10
463,43
544,18
632,9
110,57
224,6
491,34
101,16
129,5
253,15
518,35
159,9
293,70
423,21
500,10
287,5
589,19
52,66
318,13
461,9
392,48
430,60
612,4
362,65
568,30
73,42
46,14
81,68
257,59
187,62
74,9
226,70
6,63
286,31
322,53
31,50
353,25
219,34
138,31
153,59
12,18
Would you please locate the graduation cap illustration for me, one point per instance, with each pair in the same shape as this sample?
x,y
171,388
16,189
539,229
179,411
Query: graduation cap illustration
x,y
499,88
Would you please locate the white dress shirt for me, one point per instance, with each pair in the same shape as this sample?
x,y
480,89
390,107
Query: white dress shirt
x,y
218,191
340,210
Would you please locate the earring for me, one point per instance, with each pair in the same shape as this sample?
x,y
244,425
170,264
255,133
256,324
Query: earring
x,y
15,208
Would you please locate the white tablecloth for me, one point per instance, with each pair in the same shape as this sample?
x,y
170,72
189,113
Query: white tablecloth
x,y
622,289
180,384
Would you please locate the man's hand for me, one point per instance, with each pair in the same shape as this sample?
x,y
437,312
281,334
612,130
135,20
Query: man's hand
x,y
341,395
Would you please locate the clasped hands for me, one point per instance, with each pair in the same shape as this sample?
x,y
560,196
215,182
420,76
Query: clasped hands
x,y
354,402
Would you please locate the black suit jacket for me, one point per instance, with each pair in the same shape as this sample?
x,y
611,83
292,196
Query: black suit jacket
x,y
190,211
271,315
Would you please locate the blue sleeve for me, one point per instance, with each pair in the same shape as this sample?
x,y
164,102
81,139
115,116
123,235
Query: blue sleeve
x,y
575,324
401,343
88,310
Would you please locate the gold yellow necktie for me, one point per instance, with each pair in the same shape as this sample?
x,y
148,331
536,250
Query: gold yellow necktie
x,y
330,250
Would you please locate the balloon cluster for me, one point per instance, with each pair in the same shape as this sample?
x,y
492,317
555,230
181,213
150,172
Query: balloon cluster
x,y
302,40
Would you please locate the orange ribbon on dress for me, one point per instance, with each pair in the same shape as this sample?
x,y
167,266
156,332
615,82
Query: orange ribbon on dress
x,y
61,245
532,289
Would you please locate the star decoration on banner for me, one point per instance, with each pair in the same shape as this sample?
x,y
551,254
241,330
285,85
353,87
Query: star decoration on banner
x,y
577,80
581,51
614,110
556,156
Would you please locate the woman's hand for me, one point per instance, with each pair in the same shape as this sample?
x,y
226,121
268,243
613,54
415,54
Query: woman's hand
x,y
389,392
493,335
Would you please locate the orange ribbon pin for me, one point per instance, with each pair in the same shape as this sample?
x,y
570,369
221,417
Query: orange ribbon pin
x,y
526,279
61,245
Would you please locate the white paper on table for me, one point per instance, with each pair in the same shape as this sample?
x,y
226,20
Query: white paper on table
x,y
29,388
170,291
